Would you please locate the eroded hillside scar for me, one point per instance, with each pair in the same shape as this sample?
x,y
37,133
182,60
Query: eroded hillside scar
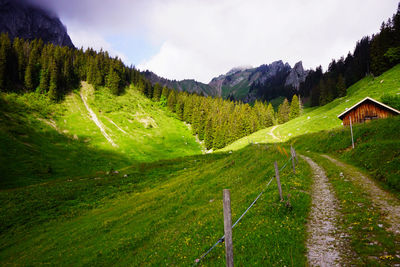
x,y
94,118
324,241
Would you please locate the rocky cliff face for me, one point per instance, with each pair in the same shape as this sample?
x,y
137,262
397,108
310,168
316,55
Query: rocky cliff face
x,y
238,82
296,76
20,19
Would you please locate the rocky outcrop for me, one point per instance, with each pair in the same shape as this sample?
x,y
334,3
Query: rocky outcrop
x,y
238,82
24,20
296,76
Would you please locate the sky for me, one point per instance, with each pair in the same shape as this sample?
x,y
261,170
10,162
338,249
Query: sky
x,y
201,39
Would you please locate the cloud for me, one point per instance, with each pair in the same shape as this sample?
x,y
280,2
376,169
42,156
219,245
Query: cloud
x,y
203,38
86,38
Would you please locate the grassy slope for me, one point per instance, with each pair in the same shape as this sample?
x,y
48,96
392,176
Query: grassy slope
x,y
325,117
162,213
40,141
377,148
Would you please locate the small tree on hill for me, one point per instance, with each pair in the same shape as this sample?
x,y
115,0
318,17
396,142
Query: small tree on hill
x,y
294,108
283,112
113,81
157,92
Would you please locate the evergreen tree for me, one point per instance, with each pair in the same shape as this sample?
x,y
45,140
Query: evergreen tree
x,y
44,80
28,77
157,92
209,136
19,52
270,118
341,86
53,94
283,112
113,81
5,47
165,92
171,100
179,108
294,108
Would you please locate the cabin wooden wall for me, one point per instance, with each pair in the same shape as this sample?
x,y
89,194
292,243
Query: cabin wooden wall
x,y
365,110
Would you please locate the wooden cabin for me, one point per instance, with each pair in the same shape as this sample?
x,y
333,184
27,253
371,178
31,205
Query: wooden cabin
x,y
366,110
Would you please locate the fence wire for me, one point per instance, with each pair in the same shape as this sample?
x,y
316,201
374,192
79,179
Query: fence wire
x,y
197,261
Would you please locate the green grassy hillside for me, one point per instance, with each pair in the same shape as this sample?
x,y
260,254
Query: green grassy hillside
x,y
40,140
377,148
162,213
325,117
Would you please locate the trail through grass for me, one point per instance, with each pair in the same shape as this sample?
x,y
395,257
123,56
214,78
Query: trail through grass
x,y
365,223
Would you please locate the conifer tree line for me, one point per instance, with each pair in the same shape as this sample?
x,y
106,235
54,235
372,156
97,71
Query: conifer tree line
x,y
219,122
53,70
372,56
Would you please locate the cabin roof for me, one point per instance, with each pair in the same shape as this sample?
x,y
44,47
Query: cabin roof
x,y
340,116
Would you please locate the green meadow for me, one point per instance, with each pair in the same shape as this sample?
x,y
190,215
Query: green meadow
x,y
41,140
150,197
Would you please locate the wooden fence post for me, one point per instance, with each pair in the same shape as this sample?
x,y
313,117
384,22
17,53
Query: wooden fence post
x,y
351,129
228,228
278,180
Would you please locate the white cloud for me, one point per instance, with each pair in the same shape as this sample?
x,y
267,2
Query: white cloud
x,y
203,39
89,38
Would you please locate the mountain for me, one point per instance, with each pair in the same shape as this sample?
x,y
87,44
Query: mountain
x,y
24,20
190,86
243,83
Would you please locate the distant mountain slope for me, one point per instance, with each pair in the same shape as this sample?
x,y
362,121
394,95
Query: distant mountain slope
x,y
325,117
21,19
190,86
243,83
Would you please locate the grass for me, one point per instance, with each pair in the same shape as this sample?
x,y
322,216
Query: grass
x,y
162,213
377,148
41,141
325,117
362,222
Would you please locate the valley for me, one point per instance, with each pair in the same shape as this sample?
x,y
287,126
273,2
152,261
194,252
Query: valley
x,y
105,164
169,199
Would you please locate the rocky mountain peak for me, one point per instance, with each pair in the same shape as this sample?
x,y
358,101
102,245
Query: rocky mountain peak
x,y
22,19
296,76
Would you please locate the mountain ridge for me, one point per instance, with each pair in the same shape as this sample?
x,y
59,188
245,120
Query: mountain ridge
x,y
239,81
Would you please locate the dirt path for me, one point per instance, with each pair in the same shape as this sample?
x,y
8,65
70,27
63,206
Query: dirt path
x,y
93,115
324,242
271,133
388,204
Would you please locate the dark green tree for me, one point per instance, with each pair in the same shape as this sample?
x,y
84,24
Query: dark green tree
x,y
294,108
283,112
